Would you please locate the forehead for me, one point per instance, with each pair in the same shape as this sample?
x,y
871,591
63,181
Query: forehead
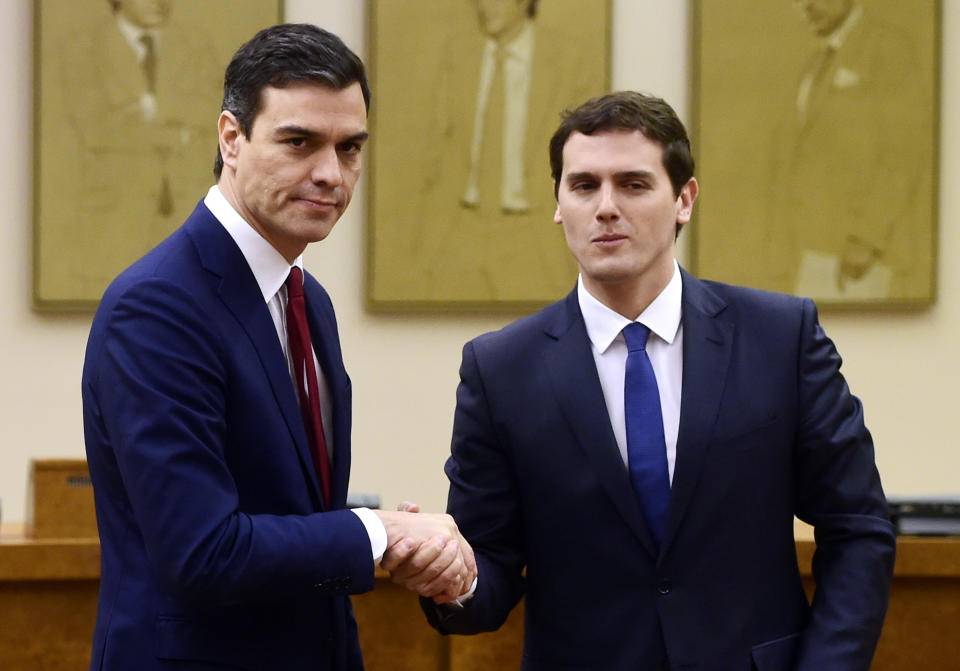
x,y
614,150
138,5
825,5
308,104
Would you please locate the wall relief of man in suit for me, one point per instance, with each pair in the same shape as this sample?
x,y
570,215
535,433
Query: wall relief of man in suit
x,y
854,192
817,128
137,89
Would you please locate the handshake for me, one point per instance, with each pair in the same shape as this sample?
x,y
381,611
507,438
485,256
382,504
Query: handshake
x,y
426,553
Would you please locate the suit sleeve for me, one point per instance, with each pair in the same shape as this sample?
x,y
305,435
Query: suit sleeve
x,y
161,386
838,492
485,502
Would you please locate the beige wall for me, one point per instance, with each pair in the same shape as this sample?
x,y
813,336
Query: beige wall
x,y
404,368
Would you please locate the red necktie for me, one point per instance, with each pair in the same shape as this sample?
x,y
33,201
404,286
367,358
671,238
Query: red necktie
x,y
301,351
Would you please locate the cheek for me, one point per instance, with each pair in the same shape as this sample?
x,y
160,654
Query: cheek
x,y
351,172
351,175
274,183
577,238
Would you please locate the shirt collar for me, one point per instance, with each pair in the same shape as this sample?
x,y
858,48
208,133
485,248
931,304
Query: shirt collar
x,y
662,316
838,37
268,265
132,34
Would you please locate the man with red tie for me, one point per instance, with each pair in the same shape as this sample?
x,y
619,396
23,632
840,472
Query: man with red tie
x,y
217,408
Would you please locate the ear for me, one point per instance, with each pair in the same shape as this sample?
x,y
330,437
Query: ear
x,y
688,195
230,135
557,219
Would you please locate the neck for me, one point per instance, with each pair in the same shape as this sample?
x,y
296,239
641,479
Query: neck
x,y
511,33
629,298
290,253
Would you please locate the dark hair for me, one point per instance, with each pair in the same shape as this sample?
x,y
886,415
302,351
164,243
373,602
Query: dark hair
x,y
279,55
631,111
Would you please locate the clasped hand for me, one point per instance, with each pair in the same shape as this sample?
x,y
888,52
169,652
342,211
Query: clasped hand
x,y
426,553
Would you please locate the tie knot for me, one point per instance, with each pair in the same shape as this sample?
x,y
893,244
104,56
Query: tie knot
x,y
636,336
295,282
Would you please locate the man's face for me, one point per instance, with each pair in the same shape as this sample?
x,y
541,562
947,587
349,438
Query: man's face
x,y
146,13
825,16
498,17
618,211
294,176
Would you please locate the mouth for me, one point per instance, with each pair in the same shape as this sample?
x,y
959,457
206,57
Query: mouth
x,y
608,240
320,204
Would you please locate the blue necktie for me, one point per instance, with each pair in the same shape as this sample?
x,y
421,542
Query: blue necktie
x,y
646,446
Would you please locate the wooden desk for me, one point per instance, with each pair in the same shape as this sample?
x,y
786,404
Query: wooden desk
x,y
48,606
48,599
921,631
48,603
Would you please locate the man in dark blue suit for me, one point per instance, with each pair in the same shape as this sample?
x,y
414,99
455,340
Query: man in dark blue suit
x,y
755,425
219,459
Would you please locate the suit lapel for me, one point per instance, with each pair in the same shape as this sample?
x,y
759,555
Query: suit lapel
x,y
326,343
707,344
576,386
238,289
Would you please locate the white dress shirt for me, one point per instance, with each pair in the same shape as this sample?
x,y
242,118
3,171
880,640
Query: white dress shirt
x,y
270,270
829,45
665,349
134,35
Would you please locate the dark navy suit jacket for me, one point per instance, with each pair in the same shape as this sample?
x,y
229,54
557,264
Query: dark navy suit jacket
x,y
216,551
768,430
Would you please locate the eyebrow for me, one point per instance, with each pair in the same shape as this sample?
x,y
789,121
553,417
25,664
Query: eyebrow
x,y
293,129
627,174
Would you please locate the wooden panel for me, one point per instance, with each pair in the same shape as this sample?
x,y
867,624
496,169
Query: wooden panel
x,y
60,500
394,634
47,625
922,627
917,556
51,559
48,603
500,650
48,597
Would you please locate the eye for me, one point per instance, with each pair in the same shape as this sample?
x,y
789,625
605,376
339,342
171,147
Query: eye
x,y
296,142
582,186
350,148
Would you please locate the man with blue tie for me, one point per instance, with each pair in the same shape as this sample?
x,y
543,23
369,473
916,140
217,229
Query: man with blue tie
x,y
632,457
217,408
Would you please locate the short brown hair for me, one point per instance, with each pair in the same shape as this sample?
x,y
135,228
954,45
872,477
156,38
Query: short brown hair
x,y
628,110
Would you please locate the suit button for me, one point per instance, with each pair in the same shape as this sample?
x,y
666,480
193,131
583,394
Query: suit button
x,y
664,587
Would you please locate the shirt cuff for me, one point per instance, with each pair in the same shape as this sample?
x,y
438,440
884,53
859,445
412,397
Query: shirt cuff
x,y
461,601
464,598
375,530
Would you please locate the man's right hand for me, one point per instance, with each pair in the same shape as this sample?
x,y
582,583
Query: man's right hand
x,y
426,553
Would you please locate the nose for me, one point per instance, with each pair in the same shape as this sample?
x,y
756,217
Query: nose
x,y
607,210
327,170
